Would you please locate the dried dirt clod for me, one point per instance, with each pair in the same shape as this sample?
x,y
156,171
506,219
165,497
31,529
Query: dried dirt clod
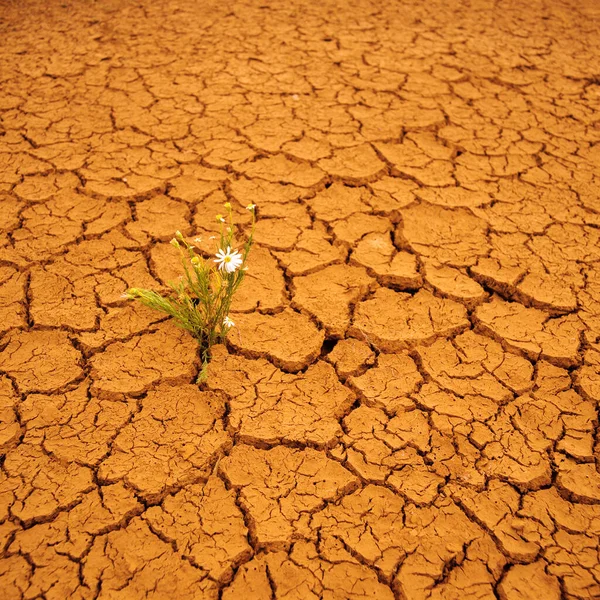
x,y
440,534
564,417
545,292
41,361
454,284
12,298
75,427
391,194
133,562
395,320
268,406
279,169
581,482
497,507
51,545
136,186
551,379
160,216
251,582
570,531
277,234
308,573
110,286
36,486
533,332
313,250
107,253
588,376
429,169
10,429
500,277
359,164
289,339
118,324
376,539
468,408
339,201
454,237
350,356
38,187
264,285
44,232
15,574
206,525
257,191
171,442
9,209
350,230
329,295
376,252
389,384
417,484
280,488
57,301
379,445
529,582
511,458
47,572
294,212
458,368
192,190
308,148
454,196
168,354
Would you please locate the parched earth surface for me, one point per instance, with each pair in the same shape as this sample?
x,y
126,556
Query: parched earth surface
x,y
407,407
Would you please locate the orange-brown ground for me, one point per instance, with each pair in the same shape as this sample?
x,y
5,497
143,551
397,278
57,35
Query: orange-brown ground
x,y
408,405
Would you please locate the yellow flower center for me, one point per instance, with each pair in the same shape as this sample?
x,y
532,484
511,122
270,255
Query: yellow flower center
x,y
227,259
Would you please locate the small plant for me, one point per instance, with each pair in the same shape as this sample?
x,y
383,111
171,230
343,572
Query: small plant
x,y
202,297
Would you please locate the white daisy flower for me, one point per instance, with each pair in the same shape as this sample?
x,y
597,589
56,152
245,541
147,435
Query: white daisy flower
x,y
228,261
228,322
251,207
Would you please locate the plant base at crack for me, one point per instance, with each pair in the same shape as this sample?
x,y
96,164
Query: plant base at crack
x,y
201,299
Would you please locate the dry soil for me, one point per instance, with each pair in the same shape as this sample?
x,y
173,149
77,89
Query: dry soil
x,y
407,407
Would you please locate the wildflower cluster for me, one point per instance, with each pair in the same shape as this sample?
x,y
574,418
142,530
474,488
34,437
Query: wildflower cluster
x,y
202,297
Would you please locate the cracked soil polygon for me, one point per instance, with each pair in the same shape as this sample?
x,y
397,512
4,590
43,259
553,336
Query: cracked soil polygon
x,y
396,320
268,406
170,442
290,339
407,405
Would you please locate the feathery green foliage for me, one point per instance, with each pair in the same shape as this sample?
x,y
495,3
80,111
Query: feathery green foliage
x,y
202,297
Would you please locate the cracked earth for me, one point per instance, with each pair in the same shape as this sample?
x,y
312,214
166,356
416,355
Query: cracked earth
x,y
407,407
